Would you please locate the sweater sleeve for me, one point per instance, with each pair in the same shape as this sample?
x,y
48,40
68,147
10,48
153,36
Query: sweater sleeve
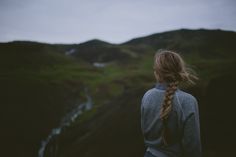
x,y
142,115
191,136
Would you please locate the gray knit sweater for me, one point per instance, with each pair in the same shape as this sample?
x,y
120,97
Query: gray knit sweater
x,y
183,122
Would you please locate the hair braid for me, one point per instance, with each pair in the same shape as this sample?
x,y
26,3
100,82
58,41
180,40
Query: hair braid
x,y
166,108
170,67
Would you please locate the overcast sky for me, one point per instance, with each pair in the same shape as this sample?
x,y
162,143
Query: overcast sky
x,y
116,21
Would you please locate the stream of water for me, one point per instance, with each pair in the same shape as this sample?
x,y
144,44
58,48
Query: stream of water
x,y
66,121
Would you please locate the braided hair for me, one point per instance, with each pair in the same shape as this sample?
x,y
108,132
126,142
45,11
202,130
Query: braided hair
x,y
169,67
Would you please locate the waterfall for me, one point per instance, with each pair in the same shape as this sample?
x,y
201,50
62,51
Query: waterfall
x,y
66,121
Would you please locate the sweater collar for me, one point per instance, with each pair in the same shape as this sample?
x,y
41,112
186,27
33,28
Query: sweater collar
x,y
162,85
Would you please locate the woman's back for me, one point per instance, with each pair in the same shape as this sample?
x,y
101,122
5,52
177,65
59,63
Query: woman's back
x,y
169,116
182,123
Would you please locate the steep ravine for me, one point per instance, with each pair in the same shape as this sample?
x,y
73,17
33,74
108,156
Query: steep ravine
x,y
49,146
115,127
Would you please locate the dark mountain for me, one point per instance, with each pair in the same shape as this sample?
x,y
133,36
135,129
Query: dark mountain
x,y
207,43
41,82
19,54
99,51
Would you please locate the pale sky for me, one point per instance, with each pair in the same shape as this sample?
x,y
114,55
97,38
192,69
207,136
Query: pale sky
x,y
115,21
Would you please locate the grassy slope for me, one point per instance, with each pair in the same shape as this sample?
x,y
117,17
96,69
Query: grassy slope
x,y
38,85
113,124
114,127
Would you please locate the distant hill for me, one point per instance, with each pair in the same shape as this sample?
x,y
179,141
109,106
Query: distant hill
x,y
202,42
208,43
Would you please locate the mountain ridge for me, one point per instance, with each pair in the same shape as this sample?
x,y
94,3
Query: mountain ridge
x,y
121,43
215,42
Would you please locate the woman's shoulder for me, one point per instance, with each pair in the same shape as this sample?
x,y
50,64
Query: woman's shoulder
x,y
150,92
188,102
181,93
186,96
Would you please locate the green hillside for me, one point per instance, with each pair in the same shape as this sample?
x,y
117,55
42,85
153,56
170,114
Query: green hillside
x,y
41,82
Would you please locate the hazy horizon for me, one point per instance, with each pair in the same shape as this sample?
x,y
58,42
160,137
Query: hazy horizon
x,y
78,21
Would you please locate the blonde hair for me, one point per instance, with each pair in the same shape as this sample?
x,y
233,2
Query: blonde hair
x,y
169,67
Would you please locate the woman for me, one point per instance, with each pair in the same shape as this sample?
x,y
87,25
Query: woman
x,y
169,116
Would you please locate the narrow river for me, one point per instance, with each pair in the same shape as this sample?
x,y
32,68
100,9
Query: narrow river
x,y
66,121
